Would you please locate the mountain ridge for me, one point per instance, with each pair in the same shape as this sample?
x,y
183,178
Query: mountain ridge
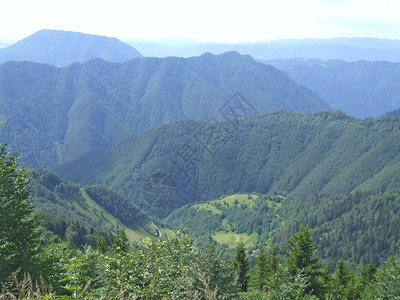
x,y
347,49
57,114
280,152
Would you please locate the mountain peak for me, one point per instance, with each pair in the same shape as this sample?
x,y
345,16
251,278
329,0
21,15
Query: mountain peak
x,y
61,48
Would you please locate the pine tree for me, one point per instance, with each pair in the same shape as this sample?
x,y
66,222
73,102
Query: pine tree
x,y
341,279
19,233
242,266
300,258
368,273
273,260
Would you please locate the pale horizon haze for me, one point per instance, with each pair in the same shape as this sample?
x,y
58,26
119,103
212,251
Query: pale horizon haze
x,y
207,21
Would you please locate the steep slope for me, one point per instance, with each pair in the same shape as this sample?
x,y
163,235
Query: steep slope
x,y
90,206
61,48
361,89
57,114
281,152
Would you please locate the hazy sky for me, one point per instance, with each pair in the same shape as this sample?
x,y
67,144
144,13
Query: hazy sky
x,y
205,20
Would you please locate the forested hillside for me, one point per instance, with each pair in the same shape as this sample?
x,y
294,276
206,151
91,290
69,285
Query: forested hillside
x,y
358,227
35,264
76,213
208,177
361,89
62,48
280,152
57,114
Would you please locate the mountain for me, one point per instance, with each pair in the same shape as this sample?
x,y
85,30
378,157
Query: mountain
x,y
282,152
57,114
60,201
3,45
62,48
347,49
361,89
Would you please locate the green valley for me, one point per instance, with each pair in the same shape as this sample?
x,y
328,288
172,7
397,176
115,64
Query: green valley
x,y
276,153
207,177
355,227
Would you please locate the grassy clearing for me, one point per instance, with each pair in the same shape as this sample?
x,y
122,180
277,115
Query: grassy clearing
x,y
237,200
226,225
232,239
216,206
272,204
208,207
134,235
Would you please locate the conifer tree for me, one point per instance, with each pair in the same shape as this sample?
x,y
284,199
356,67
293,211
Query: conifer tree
x,y
19,225
242,266
368,273
300,258
341,279
273,260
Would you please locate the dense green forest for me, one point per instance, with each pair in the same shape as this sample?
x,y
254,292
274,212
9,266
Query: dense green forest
x,y
207,177
230,204
173,267
358,227
337,259
276,153
93,105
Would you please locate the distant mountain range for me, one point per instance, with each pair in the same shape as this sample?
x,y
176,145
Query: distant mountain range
x,y
2,45
347,49
57,114
361,89
281,152
61,48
